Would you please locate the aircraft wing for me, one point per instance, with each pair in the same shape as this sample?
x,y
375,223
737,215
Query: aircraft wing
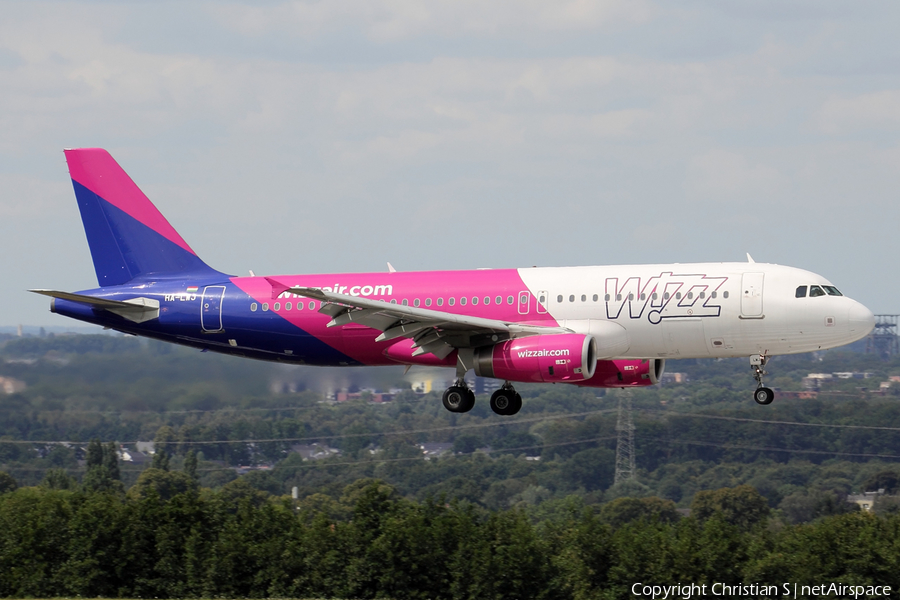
x,y
433,331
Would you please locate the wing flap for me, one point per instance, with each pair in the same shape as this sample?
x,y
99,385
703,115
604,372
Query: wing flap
x,y
432,331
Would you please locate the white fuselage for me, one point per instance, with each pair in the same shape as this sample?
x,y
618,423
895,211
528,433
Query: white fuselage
x,y
700,310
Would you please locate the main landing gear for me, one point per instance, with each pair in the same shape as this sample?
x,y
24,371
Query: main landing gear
x,y
762,395
459,399
506,401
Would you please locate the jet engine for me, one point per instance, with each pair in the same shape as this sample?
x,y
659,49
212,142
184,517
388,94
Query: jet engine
x,y
626,373
562,357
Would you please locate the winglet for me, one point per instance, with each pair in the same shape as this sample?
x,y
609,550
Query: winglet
x,y
750,258
391,268
277,287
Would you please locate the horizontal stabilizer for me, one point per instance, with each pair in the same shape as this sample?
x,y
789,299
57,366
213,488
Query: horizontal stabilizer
x,y
134,309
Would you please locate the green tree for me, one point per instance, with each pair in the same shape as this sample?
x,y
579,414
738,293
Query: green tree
x,y
102,473
624,510
160,460
883,480
111,460
58,479
190,464
164,484
741,506
7,483
94,454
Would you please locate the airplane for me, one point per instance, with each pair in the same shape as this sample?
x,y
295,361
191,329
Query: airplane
x,y
592,326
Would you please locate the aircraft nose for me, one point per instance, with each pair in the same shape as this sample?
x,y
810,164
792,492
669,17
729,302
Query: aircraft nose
x,y
861,319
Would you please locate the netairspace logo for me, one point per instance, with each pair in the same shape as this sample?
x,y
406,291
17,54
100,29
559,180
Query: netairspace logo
x,y
756,590
537,353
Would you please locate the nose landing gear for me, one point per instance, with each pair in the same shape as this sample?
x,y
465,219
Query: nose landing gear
x,y
506,401
762,395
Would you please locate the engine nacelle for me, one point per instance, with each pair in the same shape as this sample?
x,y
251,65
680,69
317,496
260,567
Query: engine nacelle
x,y
626,373
561,357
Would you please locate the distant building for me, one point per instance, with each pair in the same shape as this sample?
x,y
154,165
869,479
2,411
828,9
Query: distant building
x,y
866,500
796,395
314,451
8,385
674,378
434,450
376,397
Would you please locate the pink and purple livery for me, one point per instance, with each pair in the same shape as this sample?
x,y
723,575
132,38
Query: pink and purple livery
x,y
603,326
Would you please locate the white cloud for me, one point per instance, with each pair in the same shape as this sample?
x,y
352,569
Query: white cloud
x,y
386,21
860,113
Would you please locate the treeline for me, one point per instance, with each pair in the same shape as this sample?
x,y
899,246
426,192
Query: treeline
x,y
373,543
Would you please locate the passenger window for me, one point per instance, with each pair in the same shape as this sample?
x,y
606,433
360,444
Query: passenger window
x,y
312,305
725,294
416,302
427,301
253,307
462,301
451,301
702,295
801,292
606,298
832,291
572,298
487,300
299,306
618,297
509,300
583,298
474,300
630,297
596,297
678,295
277,306
815,291
655,296
440,302
393,301
643,296
559,298
499,299
405,302
666,296
265,306
713,295
690,295
287,306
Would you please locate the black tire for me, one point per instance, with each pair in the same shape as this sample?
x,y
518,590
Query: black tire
x,y
501,401
470,401
458,399
516,405
763,395
454,398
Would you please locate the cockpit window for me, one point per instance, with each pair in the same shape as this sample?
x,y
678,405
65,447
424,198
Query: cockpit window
x,y
801,292
832,291
815,291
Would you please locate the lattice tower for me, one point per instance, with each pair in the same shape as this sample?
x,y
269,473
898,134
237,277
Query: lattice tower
x,y
883,340
625,439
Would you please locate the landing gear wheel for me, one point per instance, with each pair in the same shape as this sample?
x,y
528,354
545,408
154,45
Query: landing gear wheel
x,y
458,399
506,401
763,395
516,405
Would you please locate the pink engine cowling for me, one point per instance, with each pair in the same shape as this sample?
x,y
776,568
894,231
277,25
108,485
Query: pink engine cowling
x,y
626,373
562,357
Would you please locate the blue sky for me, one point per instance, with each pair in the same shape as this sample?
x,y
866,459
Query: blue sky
x,y
334,136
